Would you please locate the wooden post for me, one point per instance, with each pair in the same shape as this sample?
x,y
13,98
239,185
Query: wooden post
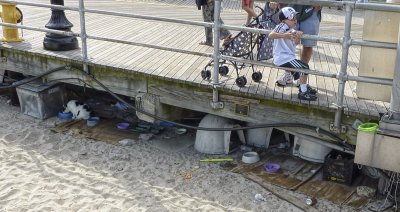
x,y
378,62
2,72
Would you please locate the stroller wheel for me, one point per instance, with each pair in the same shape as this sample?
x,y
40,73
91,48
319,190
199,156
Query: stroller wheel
x,y
241,81
206,74
223,70
256,76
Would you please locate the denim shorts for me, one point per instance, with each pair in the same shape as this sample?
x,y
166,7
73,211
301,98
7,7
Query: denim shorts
x,y
310,26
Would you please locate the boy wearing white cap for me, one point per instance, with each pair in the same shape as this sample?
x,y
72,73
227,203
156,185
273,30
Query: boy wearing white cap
x,y
285,40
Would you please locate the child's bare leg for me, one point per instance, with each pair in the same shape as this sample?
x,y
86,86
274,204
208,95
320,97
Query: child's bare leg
x,y
305,56
303,79
250,11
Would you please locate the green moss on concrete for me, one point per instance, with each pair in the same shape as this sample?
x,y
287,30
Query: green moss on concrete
x,y
102,72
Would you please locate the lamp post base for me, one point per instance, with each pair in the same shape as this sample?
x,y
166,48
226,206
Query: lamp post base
x,y
58,21
60,44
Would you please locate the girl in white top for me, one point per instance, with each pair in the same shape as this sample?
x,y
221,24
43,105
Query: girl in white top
x,y
284,50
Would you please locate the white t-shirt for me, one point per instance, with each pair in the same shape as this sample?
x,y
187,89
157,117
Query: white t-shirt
x,y
284,49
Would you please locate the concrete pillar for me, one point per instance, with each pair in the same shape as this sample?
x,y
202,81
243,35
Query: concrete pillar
x,y
376,62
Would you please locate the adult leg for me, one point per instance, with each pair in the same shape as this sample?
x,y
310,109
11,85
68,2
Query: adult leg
x,y
248,6
208,16
305,56
309,26
225,34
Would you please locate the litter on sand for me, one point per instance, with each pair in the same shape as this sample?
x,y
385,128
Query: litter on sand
x,y
216,160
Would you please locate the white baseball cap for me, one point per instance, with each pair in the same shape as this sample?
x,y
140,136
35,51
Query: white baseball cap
x,y
287,13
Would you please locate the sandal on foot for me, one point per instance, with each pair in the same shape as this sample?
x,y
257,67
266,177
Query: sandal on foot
x,y
205,43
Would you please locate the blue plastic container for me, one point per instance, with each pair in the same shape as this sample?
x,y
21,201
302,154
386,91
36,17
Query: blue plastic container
x,y
92,121
65,116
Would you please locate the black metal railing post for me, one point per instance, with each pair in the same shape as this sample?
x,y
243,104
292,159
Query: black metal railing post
x,y
59,21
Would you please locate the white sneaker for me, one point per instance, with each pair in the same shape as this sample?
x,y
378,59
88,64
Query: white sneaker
x,y
284,79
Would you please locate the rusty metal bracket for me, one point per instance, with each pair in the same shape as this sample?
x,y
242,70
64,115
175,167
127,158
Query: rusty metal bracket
x,y
217,105
242,109
341,129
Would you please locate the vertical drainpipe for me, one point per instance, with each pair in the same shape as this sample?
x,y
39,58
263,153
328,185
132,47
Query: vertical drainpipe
x,y
215,75
83,35
343,67
395,97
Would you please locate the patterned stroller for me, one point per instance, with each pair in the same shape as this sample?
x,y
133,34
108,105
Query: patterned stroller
x,y
245,45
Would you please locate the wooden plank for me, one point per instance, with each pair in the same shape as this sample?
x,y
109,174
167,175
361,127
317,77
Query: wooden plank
x,y
362,108
177,62
126,48
166,56
328,86
183,62
263,84
190,59
278,91
131,53
271,84
145,55
103,49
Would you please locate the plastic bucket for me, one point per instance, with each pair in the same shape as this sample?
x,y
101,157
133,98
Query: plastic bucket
x,y
368,127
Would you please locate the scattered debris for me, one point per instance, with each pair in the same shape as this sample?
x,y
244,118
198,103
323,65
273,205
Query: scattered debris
x,y
366,191
245,148
216,160
272,167
123,125
310,201
180,131
186,176
259,198
120,106
145,137
118,154
379,205
126,142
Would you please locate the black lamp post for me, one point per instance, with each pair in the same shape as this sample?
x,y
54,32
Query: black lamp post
x,y
59,21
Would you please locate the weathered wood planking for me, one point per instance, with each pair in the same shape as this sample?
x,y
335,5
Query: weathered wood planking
x,y
186,68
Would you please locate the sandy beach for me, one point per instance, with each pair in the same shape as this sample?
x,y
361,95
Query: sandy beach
x,y
46,171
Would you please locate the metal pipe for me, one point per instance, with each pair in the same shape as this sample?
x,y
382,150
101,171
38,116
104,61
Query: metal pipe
x,y
373,44
146,17
378,7
363,6
311,71
59,32
324,143
52,6
343,67
370,80
150,46
217,25
315,72
83,35
308,71
395,97
196,23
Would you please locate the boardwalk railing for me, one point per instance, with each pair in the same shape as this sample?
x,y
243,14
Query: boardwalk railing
x,y
346,41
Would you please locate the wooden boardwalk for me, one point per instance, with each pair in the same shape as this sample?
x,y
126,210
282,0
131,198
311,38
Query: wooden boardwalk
x,y
183,68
